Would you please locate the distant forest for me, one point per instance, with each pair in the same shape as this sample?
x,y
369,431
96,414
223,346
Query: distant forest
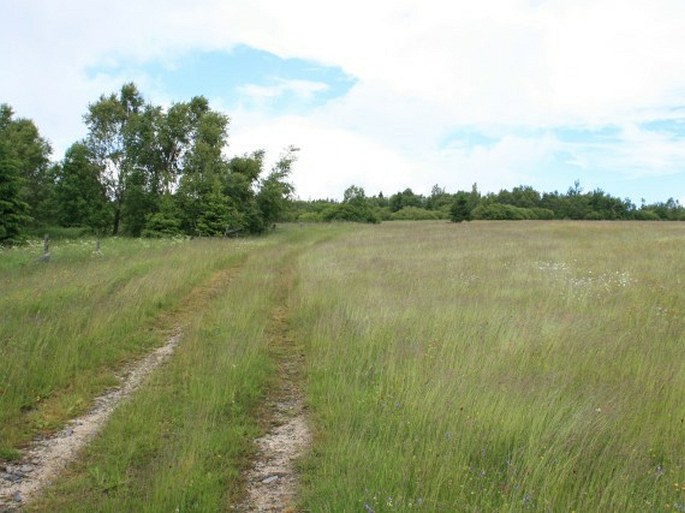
x,y
143,170
519,203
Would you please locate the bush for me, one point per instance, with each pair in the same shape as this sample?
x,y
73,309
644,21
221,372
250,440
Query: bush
x,y
383,213
352,213
414,214
646,215
499,211
160,225
59,232
542,213
310,217
593,215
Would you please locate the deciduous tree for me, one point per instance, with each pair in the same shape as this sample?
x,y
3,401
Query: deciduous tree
x,y
112,124
30,154
81,197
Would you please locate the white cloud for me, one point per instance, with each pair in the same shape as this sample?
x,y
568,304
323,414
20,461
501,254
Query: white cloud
x,y
493,62
638,153
303,89
511,68
331,159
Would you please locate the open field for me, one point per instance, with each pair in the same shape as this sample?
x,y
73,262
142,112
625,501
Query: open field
x,y
486,366
497,367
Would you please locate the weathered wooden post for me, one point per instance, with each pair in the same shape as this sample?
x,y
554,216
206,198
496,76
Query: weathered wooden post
x,y
46,249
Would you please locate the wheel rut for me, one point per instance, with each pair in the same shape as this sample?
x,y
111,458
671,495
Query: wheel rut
x,y
272,480
42,462
47,457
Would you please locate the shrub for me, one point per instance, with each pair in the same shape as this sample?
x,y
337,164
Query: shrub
x,y
542,213
349,212
499,211
310,217
645,214
414,214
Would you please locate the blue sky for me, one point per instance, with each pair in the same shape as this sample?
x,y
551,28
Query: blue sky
x,y
241,78
385,95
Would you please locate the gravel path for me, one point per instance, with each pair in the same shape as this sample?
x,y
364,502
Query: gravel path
x,y
272,481
42,462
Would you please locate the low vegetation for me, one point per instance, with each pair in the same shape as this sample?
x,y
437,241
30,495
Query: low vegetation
x,y
67,324
496,367
509,367
519,203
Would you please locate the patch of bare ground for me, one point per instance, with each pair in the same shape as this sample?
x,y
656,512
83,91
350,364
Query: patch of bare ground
x,y
272,480
43,461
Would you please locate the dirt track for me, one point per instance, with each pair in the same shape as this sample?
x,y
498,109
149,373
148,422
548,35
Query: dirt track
x,y
44,460
272,481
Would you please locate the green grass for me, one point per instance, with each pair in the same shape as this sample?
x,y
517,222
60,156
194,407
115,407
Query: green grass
x,y
182,440
496,367
485,366
67,325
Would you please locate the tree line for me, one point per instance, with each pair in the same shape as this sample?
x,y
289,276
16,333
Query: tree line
x,y
519,203
145,170
141,170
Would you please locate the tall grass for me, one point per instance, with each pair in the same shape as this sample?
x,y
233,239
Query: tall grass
x,y
67,325
496,367
509,367
180,443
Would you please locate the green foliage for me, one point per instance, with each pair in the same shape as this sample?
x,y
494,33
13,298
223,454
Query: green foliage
x,y
522,202
135,154
310,217
439,199
146,153
406,198
31,155
137,205
81,197
275,190
354,208
59,233
646,214
349,213
165,222
498,211
25,181
113,123
542,213
13,211
671,210
414,214
461,208
216,216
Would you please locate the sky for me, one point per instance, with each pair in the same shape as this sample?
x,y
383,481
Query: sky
x,y
382,94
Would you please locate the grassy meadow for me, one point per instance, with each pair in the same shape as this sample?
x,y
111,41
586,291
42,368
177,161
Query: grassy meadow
x,y
484,366
67,325
536,366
